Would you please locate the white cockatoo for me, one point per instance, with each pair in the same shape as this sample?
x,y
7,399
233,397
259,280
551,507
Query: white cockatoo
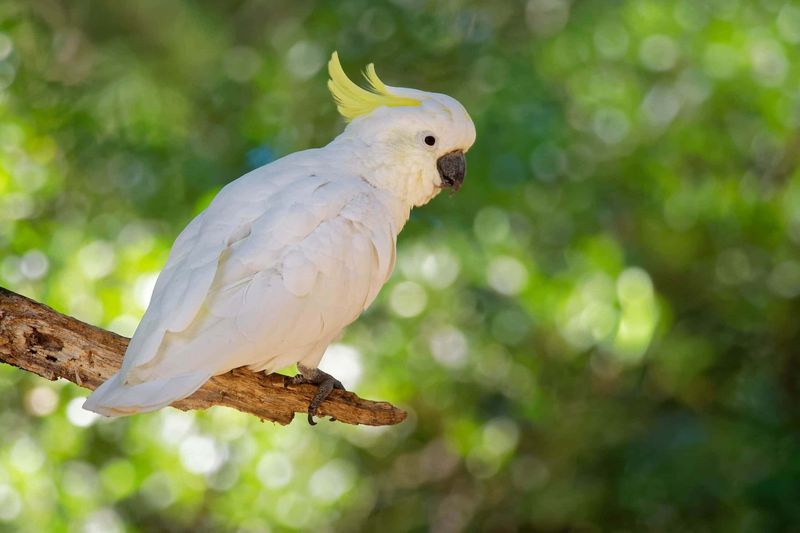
x,y
289,254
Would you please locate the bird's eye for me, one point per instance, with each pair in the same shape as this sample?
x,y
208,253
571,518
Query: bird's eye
x,y
430,140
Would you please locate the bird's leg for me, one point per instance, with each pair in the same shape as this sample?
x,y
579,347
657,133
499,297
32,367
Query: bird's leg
x,y
325,382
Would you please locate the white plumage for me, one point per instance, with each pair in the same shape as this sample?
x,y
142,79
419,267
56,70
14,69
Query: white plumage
x,y
286,256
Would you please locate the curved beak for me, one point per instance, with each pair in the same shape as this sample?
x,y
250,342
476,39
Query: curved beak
x,y
452,168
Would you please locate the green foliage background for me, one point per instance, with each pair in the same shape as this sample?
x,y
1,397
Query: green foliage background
x,y
599,332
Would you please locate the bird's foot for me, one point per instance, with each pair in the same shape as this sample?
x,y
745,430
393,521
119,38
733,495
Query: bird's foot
x,y
325,383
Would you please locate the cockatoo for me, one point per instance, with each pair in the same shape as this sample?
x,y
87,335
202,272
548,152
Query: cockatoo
x,y
289,254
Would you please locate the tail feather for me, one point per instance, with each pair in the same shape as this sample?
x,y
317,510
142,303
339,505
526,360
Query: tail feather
x,y
116,398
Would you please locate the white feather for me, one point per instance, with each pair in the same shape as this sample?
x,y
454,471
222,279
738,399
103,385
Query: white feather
x,y
280,262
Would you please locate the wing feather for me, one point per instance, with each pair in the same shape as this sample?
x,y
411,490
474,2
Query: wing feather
x,y
269,286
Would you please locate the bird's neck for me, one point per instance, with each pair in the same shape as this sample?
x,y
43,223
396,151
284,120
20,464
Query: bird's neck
x,y
382,169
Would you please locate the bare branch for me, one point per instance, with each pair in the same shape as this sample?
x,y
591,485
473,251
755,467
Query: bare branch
x,y
35,338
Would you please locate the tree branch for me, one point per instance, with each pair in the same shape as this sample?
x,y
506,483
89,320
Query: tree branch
x,y
35,338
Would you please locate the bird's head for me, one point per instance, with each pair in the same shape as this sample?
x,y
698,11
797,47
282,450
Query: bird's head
x,y
414,141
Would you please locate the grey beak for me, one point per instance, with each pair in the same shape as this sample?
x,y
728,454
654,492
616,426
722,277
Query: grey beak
x,y
452,168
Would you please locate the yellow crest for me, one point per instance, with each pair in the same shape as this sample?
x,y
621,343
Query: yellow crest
x,y
353,101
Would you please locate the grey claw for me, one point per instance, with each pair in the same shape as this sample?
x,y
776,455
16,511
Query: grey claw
x,y
325,382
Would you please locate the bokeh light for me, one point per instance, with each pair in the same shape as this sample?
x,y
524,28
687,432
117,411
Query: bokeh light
x,y
597,332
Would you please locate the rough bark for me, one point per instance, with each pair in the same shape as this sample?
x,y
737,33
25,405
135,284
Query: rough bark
x,y
38,339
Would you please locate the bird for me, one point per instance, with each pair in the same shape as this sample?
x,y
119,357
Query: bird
x,y
286,256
